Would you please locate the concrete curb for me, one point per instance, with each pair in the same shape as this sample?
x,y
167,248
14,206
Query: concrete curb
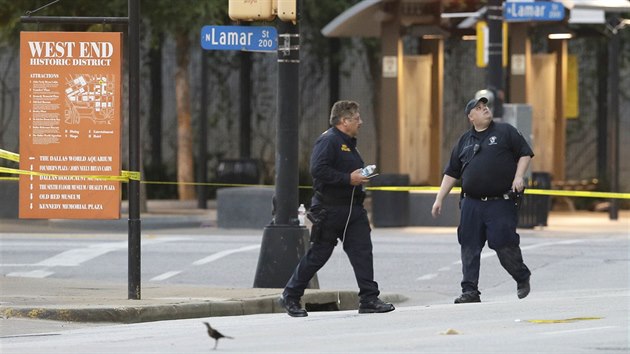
x,y
313,301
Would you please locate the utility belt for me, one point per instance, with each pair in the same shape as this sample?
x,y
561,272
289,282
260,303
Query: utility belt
x,y
516,197
335,201
504,196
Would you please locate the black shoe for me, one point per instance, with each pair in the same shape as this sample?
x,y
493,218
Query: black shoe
x,y
469,296
522,288
375,306
292,307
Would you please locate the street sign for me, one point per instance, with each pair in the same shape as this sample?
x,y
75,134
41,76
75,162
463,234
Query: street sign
x,y
245,38
533,11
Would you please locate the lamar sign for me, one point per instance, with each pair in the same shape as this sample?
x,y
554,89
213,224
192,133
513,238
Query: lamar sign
x,y
70,105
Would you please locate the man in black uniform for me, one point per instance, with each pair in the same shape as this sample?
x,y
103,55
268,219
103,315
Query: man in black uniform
x,y
337,213
491,159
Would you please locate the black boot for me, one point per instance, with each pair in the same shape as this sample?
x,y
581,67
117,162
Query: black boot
x,y
522,288
292,307
375,306
512,260
468,296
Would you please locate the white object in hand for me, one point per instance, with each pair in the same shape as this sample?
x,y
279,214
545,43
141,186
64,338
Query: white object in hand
x,y
302,214
368,170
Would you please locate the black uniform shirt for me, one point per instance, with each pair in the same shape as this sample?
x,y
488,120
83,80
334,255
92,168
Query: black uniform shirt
x,y
486,161
334,158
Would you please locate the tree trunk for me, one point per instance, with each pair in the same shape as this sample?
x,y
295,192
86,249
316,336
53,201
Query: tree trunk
x,y
184,131
155,115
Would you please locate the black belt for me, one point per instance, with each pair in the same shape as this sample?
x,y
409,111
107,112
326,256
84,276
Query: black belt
x,y
334,200
504,196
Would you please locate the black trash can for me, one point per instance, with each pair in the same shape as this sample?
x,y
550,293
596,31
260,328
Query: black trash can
x,y
527,211
390,209
541,180
238,171
534,209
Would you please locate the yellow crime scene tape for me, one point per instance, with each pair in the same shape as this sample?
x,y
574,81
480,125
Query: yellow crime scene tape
x,y
126,176
8,155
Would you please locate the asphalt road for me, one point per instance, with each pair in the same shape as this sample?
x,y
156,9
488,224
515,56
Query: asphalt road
x,y
423,266
579,302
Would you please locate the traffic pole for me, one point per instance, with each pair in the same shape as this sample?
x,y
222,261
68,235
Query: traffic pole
x,y
495,54
133,189
613,115
285,241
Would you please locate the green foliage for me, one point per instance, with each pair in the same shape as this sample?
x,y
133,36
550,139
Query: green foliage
x,y
185,16
11,11
167,15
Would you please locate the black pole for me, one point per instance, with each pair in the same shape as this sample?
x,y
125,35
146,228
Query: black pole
x,y
134,150
285,241
246,109
202,168
495,54
613,117
602,112
287,124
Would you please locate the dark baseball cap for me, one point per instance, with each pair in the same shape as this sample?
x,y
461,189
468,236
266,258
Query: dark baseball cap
x,y
472,103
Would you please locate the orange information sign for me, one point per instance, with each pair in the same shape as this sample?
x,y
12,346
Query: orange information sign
x,y
70,119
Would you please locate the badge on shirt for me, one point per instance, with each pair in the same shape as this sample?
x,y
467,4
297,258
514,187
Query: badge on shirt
x,y
492,140
345,147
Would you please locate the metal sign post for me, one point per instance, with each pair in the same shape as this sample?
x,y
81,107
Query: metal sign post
x,y
134,151
285,241
133,21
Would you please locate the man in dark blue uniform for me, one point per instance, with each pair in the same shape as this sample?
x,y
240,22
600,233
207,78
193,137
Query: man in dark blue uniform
x,y
337,213
491,160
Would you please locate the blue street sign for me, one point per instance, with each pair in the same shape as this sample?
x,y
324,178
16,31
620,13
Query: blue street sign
x,y
533,11
245,38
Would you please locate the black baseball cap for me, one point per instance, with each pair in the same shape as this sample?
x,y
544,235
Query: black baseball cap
x,y
472,103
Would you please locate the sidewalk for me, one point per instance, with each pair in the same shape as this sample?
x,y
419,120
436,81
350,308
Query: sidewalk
x,y
94,301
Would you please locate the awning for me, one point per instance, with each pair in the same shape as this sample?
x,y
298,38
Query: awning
x,y
603,5
364,18
593,11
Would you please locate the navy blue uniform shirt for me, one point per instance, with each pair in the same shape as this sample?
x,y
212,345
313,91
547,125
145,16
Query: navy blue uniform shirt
x,y
334,158
486,161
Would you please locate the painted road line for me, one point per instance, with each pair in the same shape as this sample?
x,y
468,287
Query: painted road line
x,y
76,257
427,277
219,255
39,273
166,275
206,260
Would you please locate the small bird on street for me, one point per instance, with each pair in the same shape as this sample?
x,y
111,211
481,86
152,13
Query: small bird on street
x,y
216,335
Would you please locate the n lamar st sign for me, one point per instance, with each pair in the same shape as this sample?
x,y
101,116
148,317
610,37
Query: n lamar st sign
x,y
245,38
533,11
